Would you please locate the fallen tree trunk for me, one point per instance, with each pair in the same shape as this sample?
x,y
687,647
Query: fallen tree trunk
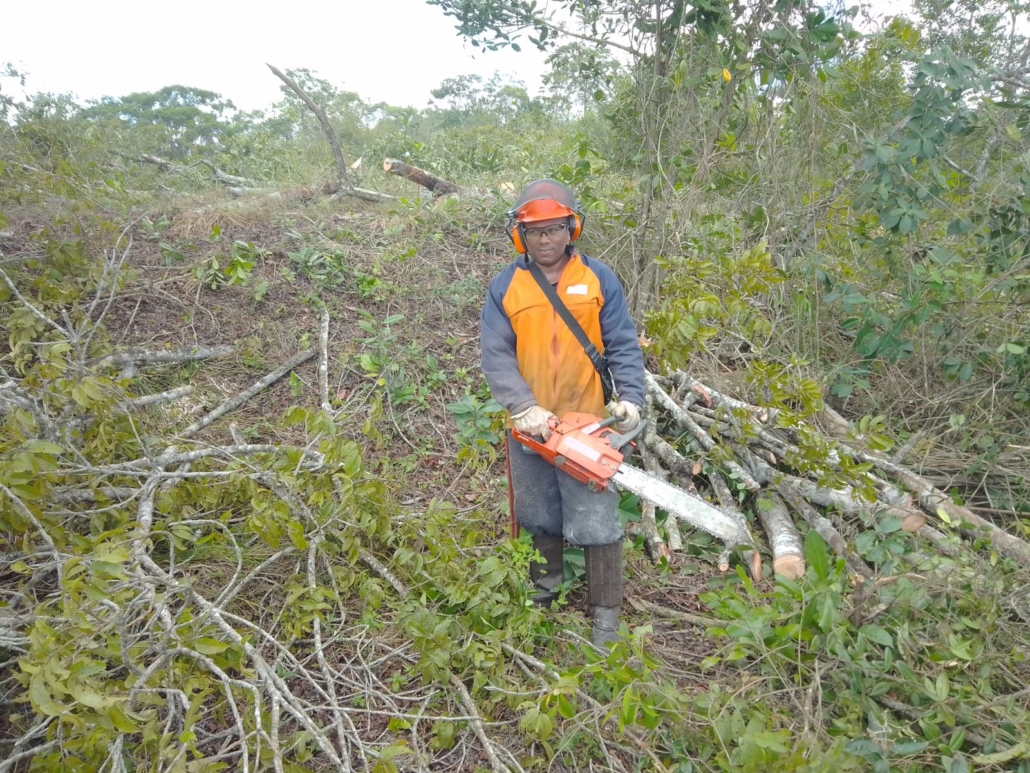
x,y
418,176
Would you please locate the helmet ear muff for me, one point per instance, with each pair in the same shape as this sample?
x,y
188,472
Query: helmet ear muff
x,y
575,226
514,230
518,239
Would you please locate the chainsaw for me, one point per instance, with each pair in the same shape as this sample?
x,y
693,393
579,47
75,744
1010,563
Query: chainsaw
x,y
587,448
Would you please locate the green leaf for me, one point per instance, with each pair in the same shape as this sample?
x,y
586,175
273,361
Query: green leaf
x,y
42,701
296,534
816,555
628,710
208,646
45,447
121,720
909,747
111,554
877,634
88,697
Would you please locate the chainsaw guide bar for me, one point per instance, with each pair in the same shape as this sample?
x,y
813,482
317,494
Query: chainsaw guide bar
x,y
586,448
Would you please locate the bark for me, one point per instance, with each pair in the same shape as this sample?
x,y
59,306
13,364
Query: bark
x,y
334,188
419,177
344,185
683,419
217,174
846,501
727,503
675,543
323,362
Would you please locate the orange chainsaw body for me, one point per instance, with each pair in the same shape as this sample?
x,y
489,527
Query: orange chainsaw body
x,y
581,446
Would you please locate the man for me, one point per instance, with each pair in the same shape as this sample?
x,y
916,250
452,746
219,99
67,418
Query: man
x,y
537,369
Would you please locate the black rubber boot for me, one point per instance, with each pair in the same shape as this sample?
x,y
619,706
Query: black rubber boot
x,y
546,577
604,591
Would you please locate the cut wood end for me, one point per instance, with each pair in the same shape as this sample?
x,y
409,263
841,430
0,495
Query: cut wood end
x,y
792,567
389,163
913,522
696,468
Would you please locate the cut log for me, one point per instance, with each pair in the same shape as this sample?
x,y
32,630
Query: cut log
x,y
419,176
788,552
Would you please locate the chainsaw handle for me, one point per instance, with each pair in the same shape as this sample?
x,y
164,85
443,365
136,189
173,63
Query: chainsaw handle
x,y
618,441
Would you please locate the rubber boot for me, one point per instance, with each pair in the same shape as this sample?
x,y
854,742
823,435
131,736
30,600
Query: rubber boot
x,y
546,577
604,591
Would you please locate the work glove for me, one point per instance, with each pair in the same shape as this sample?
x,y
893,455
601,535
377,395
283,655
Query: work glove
x,y
627,415
533,421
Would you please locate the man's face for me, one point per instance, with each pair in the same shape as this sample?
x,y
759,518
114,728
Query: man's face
x,y
546,241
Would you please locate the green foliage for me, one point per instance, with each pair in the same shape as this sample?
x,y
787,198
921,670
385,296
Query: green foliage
x,y
714,287
480,429
224,270
190,119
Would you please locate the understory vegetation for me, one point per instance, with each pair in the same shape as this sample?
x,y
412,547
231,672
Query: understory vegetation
x,y
811,211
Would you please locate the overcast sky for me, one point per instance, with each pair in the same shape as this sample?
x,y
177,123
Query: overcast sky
x,y
392,51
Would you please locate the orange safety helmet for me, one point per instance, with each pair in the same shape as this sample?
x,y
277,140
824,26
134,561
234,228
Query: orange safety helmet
x,y
543,200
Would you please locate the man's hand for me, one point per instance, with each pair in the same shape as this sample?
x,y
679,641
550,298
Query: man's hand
x,y
628,416
533,421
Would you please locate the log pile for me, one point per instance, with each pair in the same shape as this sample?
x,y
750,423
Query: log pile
x,y
699,436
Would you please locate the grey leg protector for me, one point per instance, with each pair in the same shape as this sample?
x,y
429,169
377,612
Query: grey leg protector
x,y
546,577
604,590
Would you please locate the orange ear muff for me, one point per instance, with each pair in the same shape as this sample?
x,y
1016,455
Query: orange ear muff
x,y
575,227
517,236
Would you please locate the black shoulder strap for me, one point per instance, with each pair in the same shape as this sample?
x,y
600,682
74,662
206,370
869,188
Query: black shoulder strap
x,y
598,360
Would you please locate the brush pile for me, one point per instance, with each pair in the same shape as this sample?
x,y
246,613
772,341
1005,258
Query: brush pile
x,y
779,465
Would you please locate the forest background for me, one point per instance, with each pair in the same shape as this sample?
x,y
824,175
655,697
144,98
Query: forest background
x,y
801,213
